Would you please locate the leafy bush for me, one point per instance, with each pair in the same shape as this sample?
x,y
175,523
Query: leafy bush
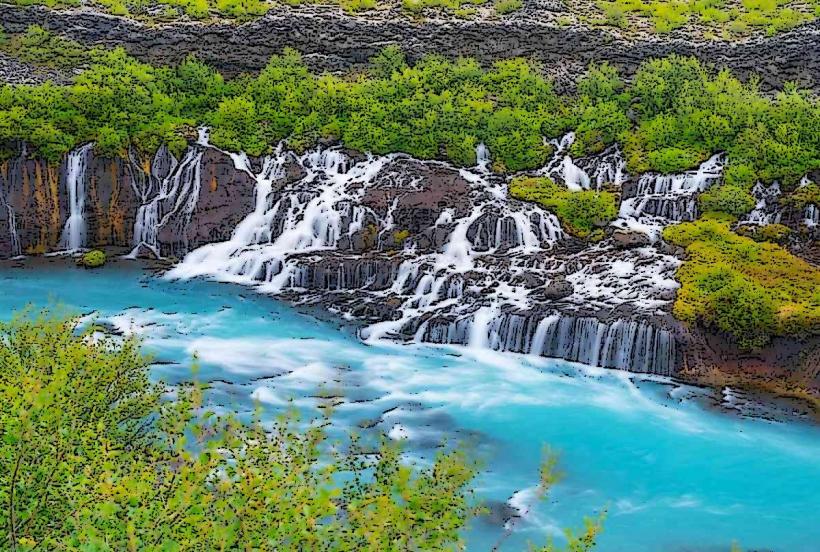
x,y
433,109
581,213
92,458
727,198
750,291
776,233
93,259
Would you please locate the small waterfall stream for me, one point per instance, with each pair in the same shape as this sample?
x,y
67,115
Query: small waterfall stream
x,y
75,231
172,188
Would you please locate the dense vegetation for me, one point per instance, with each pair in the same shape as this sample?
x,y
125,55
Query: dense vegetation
x,y
583,214
674,116
746,289
92,458
724,18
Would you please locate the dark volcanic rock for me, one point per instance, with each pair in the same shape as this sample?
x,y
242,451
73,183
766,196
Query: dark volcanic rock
x,y
332,40
226,196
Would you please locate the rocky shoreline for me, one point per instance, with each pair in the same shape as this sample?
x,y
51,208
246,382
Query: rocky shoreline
x,y
331,40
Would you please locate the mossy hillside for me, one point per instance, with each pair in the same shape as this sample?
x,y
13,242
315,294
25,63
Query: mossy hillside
x,y
748,290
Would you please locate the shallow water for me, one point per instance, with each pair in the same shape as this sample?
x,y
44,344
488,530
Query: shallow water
x,y
673,475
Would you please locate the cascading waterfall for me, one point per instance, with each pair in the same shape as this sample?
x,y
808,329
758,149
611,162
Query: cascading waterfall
x,y
471,288
767,209
661,199
74,233
672,196
608,168
312,217
165,196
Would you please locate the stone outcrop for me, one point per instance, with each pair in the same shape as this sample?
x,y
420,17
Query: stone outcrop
x,y
332,40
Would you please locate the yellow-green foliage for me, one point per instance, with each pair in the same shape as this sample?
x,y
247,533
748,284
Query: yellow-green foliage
x,y
93,458
41,47
507,6
804,196
717,15
417,6
93,259
195,9
582,213
732,199
777,233
751,291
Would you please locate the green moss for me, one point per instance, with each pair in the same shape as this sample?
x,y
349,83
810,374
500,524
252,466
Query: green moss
x,y
583,214
727,198
736,19
750,291
507,6
93,259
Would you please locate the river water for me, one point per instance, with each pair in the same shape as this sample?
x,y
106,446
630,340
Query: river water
x,y
674,474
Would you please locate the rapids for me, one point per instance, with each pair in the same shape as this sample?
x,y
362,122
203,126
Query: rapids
x,y
673,472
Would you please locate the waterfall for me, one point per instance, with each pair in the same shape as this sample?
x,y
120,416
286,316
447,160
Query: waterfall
x,y
812,216
74,235
767,210
14,238
585,173
164,196
479,271
661,199
311,217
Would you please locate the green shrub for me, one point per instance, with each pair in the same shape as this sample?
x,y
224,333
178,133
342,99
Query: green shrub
x,y
750,291
93,458
582,214
93,259
775,233
727,198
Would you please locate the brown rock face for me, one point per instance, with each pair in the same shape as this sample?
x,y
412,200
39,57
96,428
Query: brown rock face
x,y
416,193
226,196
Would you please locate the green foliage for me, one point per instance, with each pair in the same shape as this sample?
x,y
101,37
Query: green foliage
x,y
195,9
750,291
582,214
93,259
776,233
93,458
727,198
507,6
804,196
686,113
418,6
736,18
437,109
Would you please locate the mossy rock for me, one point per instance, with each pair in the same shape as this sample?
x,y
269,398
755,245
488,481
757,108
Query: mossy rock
x,y
92,259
